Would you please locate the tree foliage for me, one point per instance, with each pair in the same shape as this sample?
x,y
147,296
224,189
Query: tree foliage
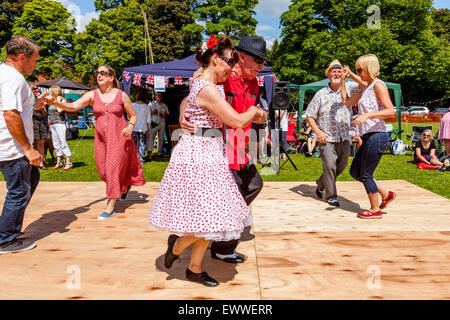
x,y
15,7
117,36
441,23
103,5
231,17
314,32
51,26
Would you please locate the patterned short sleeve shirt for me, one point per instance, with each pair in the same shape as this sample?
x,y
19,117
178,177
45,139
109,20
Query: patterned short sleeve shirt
x,y
331,115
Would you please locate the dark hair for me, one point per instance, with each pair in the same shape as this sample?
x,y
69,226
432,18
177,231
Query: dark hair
x,y
21,45
111,72
141,95
223,44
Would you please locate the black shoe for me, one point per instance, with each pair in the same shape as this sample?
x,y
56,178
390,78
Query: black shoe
x,y
16,246
124,195
230,258
169,257
319,193
202,278
333,202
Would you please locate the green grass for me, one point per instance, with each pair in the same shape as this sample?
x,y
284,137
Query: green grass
x,y
390,168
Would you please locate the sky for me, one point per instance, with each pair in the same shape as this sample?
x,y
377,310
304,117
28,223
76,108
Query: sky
x,y
268,14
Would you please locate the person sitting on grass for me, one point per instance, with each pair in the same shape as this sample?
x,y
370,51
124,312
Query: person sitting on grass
x,y
425,151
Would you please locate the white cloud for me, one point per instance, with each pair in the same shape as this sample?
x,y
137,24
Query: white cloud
x,y
263,27
81,20
272,8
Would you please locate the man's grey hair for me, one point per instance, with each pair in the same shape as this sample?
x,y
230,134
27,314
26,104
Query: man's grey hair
x,y
21,45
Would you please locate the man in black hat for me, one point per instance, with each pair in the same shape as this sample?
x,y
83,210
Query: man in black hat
x,y
241,90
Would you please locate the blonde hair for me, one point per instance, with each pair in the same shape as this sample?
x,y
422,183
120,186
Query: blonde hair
x,y
112,73
369,62
56,91
428,131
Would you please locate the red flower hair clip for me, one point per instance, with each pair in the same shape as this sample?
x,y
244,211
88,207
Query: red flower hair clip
x,y
212,41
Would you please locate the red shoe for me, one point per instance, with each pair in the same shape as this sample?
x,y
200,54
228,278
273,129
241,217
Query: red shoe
x,y
57,166
370,215
389,198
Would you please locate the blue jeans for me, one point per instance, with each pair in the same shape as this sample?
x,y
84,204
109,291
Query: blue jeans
x,y
367,158
21,181
140,139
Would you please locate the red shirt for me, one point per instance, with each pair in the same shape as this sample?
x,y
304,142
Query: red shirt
x,y
241,94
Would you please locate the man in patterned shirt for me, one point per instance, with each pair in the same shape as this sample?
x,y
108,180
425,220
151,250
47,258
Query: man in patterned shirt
x,y
332,122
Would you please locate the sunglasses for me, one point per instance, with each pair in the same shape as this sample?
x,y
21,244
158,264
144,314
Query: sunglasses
x,y
257,60
229,61
359,70
35,89
102,72
427,135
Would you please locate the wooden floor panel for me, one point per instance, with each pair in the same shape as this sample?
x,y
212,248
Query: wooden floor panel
x,y
298,248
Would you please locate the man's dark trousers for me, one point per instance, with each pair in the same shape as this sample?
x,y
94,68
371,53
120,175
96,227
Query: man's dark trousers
x,y
21,181
250,184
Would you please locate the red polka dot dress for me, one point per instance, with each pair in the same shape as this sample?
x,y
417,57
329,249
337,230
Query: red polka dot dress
x,y
198,195
116,156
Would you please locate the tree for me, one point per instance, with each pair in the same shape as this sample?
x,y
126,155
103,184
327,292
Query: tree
x,y
117,36
230,17
314,32
51,26
441,23
103,5
16,9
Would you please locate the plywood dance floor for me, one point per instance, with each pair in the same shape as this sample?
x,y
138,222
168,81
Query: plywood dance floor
x,y
298,248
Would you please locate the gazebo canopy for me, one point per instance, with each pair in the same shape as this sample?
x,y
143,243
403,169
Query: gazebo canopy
x,y
64,83
183,68
316,86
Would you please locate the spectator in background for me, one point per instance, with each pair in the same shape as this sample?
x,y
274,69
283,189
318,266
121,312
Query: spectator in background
x,y
143,126
40,128
444,132
57,119
311,142
425,151
160,112
259,138
284,129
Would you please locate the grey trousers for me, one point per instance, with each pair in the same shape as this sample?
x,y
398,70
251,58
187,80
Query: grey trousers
x,y
334,157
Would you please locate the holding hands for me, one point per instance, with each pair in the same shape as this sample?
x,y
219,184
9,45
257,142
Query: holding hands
x,y
260,116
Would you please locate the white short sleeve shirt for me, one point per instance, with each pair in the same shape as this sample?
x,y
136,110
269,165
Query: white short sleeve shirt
x,y
15,94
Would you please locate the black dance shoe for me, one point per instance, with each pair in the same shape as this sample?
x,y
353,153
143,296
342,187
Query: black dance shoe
x,y
169,257
202,278
124,195
230,258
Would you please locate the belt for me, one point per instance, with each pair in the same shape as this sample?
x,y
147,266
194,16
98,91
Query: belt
x,y
208,132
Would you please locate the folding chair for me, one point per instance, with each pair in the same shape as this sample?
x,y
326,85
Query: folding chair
x,y
294,140
175,132
393,135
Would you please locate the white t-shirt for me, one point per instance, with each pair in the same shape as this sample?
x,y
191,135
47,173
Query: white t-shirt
x,y
161,107
15,94
143,116
283,120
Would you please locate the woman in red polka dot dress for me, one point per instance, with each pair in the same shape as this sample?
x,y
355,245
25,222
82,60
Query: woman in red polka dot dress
x,y
198,199
116,154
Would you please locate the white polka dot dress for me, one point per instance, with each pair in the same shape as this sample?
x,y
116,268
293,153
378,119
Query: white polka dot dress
x,y
198,195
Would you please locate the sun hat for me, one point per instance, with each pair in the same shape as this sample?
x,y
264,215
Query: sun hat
x,y
334,64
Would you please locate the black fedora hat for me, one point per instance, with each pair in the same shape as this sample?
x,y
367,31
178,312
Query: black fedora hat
x,y
254,46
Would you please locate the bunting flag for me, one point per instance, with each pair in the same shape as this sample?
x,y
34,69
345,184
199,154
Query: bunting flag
x,y
126,75
260,81
137,79
178,81
166,81
274,78
149,79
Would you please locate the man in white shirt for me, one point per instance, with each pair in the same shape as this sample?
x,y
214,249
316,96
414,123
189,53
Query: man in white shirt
x,y
18,159
160,112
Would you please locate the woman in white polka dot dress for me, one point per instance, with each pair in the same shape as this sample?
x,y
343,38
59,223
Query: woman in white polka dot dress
x,y
198,199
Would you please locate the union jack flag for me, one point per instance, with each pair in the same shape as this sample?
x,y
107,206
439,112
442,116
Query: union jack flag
x,y
166,81
137,79
150,79
274,78
126,75
178,80
260,81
